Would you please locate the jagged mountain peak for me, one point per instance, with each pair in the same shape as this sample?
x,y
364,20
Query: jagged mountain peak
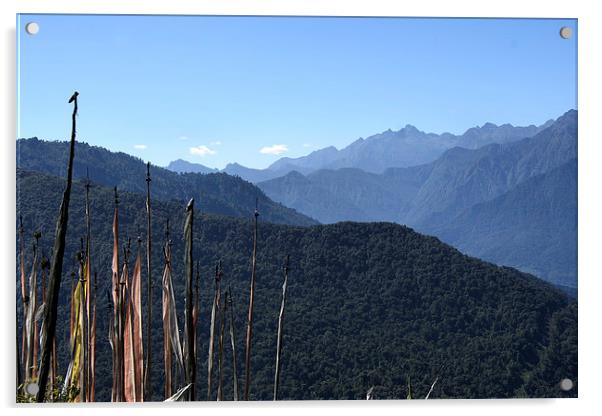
x,y
411,129
233,165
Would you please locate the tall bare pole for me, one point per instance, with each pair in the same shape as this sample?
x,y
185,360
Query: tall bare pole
x,y
121,318
45,266
93,344
149,296
114,333
55,364
214,312
230,308
18,358
82,305
280,325
251,303
112,341
57,266
88,285
36,328
220,351
197,304
72,307
197,310
24,296
30,317
166,315
190,356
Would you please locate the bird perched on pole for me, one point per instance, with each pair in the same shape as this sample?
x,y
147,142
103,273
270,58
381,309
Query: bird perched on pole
x,y
73,97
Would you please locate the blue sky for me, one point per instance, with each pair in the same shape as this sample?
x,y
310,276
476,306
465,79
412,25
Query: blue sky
x,y
215,90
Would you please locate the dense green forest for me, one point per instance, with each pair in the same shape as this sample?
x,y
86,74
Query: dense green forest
x,y
369,304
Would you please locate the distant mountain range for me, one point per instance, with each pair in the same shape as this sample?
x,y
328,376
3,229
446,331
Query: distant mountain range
x,y
406,147
458,198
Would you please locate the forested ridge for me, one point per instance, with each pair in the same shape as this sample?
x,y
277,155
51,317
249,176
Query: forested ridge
x,y
369,304
221,193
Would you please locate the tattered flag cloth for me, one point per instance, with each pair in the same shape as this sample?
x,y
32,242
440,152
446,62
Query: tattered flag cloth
x,y
30,326
113,328
133,356
73,379
171,336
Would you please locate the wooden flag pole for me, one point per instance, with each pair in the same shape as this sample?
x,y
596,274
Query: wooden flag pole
x,y
93,344
57,266
250,314
30,318
188,263
82,304
88,284
230,307
24,298
44,267
149,295
122,316
167,348
114,333
220,350
197,310
214,312
18,358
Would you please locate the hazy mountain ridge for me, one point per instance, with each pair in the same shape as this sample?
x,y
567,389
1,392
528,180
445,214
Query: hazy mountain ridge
x,y
406,147
348,193
390,149
534,224
259,175
294,189
461,177
444,191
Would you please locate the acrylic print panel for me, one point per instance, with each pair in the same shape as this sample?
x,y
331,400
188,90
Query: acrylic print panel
x,y
295,208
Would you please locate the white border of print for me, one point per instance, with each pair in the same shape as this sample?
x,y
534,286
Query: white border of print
x,y
590,207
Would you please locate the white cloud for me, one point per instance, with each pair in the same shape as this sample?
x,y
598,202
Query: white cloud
x,y
308,145
202,150
216,143
275,149
183,137
140,146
